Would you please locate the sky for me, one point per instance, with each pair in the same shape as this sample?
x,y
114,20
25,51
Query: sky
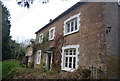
x,y
25,22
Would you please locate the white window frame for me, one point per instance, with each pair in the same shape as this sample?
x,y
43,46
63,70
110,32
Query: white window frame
x,y
41,38
77,16
51,38
50,60
29,53
63,58
38,57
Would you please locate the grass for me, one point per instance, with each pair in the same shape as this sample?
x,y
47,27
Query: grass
x,y
0,70
10,68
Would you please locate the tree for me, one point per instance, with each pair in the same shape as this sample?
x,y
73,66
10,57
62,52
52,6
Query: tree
x,y
5,33
27,3
17,50
10,49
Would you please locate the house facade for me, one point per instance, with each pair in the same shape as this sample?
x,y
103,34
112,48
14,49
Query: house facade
x,y
80,37
29,55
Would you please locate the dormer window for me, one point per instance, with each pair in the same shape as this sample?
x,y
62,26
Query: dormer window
x,y
71,25
51,33
41,38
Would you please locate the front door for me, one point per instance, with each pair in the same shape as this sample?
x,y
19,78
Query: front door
x,y
49,61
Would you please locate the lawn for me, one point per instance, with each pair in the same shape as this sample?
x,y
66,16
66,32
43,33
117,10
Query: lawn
x,y
10,68
0,70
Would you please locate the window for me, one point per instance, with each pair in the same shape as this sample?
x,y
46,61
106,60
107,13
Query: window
x,y
29,53
70,58
71,25
40,38
51,33
38,57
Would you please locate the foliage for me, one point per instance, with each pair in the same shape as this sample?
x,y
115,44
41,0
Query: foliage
x,y
42,46
59,40
5,33
35,73
0,69
10,68
27,3
51,72
17,51
10,49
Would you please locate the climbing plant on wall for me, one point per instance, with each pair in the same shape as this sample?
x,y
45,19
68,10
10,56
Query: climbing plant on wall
x,y
42,45
59,41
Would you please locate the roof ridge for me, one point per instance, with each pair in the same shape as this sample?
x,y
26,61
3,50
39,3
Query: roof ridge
x,y
63,14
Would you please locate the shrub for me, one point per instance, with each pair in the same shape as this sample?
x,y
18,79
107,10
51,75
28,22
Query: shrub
x,y
0,70
10,68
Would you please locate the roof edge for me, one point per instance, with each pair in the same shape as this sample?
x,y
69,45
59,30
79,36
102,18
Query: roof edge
x,y
63,14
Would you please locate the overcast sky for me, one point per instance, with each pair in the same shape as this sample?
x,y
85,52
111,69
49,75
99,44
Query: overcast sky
x,y
25,22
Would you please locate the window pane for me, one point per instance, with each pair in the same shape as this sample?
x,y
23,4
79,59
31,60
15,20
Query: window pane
x,y
51,34
38,53
40,38
68,27
70,51
70,59
66,61
66,52
76,24
74,52
74,60
70,62
38,59
72,26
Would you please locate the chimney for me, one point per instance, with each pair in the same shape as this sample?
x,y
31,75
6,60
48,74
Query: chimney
x,y
50,20
32,41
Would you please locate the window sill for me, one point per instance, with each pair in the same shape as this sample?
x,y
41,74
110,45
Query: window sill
x,y
51,39
40,42
71,33
68,69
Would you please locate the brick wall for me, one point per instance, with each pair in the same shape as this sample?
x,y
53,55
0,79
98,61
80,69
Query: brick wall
x,y
92,38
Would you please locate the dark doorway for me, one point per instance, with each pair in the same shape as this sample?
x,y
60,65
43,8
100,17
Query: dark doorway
x,y
49,61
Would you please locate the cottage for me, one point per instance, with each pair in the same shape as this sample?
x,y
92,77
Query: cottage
x,y
80,37
29,55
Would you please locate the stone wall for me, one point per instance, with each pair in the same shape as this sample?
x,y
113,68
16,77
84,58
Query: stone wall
x,y
94,43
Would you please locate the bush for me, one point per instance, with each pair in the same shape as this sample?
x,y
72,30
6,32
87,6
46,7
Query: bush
x,y
10,68
0,70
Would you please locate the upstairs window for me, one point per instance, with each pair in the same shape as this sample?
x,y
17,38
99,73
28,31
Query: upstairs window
x,y
71,25
40,38
51,33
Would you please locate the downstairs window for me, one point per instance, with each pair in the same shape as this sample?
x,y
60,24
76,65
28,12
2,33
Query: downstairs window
x,y
70,58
